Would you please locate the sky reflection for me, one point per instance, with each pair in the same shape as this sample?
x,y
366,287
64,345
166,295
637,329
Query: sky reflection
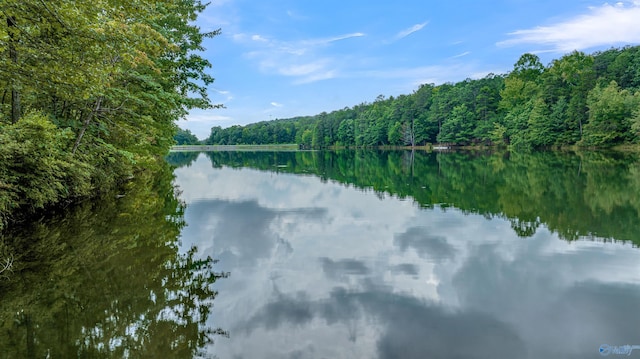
x,y
325,270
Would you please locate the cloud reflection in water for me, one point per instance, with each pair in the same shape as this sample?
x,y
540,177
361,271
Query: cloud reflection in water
x,y
323,270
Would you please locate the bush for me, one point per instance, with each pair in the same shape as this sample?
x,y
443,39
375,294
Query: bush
x,y
37,167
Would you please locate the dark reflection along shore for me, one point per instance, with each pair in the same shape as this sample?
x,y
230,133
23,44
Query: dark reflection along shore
x,y
577,195
107,279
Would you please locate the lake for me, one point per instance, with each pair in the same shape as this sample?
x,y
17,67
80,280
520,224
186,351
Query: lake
x,y
344,254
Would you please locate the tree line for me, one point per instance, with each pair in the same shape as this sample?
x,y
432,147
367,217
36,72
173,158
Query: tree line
x,y
90,92
579,99
576,195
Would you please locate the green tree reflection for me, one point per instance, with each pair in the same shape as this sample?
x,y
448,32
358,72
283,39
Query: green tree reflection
x,y
577,195
182,158
107,279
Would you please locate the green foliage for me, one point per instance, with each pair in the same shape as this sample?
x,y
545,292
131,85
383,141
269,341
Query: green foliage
x,y
517,92
528,67
532,107
94,90
635,125
185,137
541,131
498,134
610,115
394,136
307,137
36,167
318,135
458,128
346,134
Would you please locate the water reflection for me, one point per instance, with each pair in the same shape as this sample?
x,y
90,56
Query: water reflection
x,y
427,246
579,196
384,255
107,279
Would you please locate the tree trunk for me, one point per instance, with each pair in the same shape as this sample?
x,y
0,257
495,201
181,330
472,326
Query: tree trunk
x,y
13,56
15,106
413,133
85,125
580,124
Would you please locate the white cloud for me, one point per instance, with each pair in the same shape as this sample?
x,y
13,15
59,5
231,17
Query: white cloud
x,y
206,118
317,76
259,38
304,69
309,72
461,55
436,74
604,25
296,16
275,104
221,96
411,30
238,37
302,59
424,74
340,37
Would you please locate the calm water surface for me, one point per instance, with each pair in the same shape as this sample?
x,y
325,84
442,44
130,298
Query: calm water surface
x,y
352,254
401,255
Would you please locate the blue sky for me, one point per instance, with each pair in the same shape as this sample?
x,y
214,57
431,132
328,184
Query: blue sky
x,y
285,58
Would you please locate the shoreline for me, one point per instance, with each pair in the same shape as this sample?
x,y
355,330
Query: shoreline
x,y
633,148
204,148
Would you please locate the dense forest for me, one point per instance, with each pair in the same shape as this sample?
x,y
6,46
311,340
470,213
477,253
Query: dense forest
x,y
579,99
90,92
576,195
185,137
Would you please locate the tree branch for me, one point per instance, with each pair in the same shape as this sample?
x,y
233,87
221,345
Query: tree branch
x,y
85,125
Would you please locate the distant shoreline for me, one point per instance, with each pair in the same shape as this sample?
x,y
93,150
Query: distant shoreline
x,y
428,147
189,148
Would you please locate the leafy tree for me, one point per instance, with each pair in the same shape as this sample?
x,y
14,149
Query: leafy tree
x,y
540,129
307,138
346,134
395,134
457,129
517,92
498,134
36,168
318,139
571,77
185,137
486,106
635,125
610,113
422,128
528,68
111,77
